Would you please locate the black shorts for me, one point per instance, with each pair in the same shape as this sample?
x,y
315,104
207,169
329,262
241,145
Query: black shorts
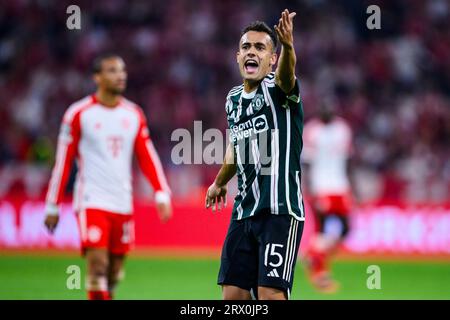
x,y
261,251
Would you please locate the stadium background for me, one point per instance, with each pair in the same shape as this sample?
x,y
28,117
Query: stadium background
x,y
392,85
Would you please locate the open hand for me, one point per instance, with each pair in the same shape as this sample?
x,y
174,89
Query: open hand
x,y
285,27
216,196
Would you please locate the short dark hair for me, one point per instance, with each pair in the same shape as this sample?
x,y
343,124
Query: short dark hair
x,y
261,26
97,62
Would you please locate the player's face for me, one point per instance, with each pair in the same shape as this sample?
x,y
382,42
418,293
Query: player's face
x,y
256,55
327,112
113,75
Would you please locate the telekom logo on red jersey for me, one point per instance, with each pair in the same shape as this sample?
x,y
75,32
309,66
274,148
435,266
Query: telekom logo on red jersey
x,y
115,144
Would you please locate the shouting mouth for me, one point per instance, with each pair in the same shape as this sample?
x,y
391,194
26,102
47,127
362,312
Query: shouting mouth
x,y
251,66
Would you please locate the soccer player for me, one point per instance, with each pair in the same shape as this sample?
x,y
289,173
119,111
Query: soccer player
x,y
265,118
102,131
327,148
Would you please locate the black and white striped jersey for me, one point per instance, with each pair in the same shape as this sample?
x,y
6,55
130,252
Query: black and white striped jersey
x,y
265,127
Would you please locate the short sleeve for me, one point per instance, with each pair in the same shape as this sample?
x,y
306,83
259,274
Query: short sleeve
x,y
292,99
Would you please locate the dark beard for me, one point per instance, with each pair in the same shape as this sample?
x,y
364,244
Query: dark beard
x,y
115,91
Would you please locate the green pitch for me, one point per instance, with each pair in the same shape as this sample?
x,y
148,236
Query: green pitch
x,y
34,277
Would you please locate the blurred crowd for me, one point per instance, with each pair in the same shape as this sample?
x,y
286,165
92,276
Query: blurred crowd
x,y
391,84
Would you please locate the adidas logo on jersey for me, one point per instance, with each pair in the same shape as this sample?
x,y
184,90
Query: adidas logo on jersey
x,y
273,273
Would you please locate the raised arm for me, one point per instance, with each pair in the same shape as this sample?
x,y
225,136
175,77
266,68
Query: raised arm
x,y
218,190
285,72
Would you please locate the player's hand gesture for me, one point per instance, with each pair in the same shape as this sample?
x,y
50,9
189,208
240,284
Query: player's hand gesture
x,y
285,27
216,196
51,221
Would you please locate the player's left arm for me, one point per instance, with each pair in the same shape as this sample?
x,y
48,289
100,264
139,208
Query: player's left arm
x,y
152,168
285,72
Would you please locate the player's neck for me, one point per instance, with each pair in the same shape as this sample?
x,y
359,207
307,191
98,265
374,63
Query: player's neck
x,y
107,99
250,86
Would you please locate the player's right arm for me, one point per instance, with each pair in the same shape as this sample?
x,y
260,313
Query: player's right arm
x,y
217,192
68,139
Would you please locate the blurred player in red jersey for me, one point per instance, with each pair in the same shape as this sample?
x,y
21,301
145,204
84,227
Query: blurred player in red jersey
x,y
326,153
102,132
